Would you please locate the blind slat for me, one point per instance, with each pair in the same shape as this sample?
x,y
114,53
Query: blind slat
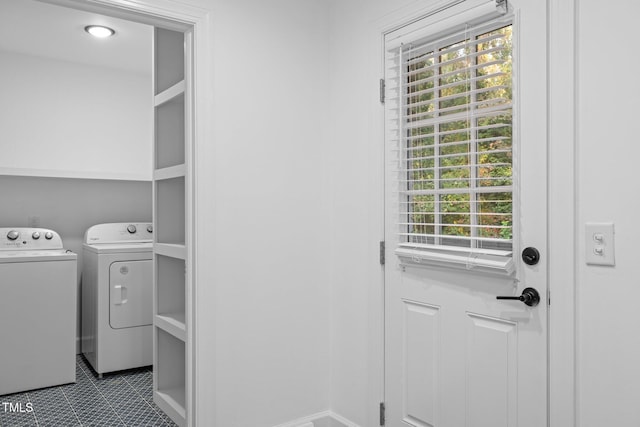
x,y
494,103
459,117
442,224
446,86
448,144
457,213
451,202
466,93
432,69
482,190
459,238
416,173
448,156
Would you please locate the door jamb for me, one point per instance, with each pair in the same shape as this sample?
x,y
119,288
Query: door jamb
x,y
176,16
562,212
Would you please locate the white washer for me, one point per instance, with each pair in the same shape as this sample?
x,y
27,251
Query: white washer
x,y
38,295
117,296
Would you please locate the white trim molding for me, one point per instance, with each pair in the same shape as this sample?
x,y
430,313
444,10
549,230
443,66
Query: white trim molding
x,y
562,212
180,16
320,419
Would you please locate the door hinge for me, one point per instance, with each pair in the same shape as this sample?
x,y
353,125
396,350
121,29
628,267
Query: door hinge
x,y
382,249
382,89
382,408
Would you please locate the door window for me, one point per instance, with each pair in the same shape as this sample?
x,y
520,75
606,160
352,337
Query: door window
x,y
453,117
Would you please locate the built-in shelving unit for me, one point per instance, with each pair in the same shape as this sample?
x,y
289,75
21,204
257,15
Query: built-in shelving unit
x,y
171,260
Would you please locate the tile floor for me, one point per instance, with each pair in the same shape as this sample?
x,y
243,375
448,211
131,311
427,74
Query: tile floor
x,y
120,399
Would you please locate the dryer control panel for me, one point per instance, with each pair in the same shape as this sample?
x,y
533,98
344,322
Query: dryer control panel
x,y
21,238
120,232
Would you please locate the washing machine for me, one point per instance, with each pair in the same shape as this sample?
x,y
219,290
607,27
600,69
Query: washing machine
x,y
38,297
117,292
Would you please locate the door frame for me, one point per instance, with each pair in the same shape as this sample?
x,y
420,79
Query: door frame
x,y
561,215
177,16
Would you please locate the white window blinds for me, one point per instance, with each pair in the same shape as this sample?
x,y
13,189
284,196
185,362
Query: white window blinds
x,y
449,120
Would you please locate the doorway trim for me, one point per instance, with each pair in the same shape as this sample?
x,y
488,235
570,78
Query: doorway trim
x,y
562,355
183,17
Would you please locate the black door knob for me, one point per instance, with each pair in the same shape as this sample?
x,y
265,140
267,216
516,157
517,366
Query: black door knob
x,y
530,256
529,296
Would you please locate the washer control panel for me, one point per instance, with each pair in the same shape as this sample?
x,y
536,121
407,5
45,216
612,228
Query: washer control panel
x,y
120,232
21,238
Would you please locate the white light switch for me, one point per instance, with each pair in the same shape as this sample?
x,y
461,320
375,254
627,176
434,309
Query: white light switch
x,y
599,244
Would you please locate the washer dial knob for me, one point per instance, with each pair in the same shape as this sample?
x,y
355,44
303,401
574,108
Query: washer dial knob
x,y
48,235
150,228
13,235
35,235
132,229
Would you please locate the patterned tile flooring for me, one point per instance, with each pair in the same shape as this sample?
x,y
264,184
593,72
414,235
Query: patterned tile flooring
x,y
123,398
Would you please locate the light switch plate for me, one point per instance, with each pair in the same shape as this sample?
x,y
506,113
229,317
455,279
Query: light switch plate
x,y
599,244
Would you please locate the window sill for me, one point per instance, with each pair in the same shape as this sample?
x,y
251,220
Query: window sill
x,y
491,262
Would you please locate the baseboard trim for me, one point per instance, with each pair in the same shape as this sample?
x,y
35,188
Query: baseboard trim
x,y
339,418
320,419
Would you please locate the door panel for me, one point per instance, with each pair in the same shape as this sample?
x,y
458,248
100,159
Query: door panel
x,y
455,355
491,370
421,336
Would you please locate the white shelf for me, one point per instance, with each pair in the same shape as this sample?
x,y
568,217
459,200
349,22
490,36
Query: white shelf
x,y
171,250
170,172
172,323
53,173
169,94
172,124
172,402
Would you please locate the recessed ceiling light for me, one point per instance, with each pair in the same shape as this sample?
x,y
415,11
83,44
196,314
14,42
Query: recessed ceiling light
x,y
99,31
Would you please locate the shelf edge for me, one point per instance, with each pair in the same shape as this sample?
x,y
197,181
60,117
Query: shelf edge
x,y
170,406
169,94
170,172
171,250
172,326
53,173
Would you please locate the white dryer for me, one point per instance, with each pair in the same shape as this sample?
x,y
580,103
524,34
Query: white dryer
x,y
38,296
117,292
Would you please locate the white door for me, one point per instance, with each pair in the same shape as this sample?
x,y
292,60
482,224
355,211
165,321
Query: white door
x,y
465,194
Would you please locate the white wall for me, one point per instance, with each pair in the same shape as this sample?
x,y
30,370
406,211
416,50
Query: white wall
x,y
67,119
269,244
70,206
356,144
608,325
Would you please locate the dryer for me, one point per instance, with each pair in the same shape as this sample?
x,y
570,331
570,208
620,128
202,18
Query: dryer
x,y
38,306
117,296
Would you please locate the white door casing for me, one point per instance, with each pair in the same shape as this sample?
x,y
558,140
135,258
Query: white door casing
x,y
194,17
454,355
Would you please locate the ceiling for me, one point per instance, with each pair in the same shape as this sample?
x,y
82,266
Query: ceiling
x,y
34,28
